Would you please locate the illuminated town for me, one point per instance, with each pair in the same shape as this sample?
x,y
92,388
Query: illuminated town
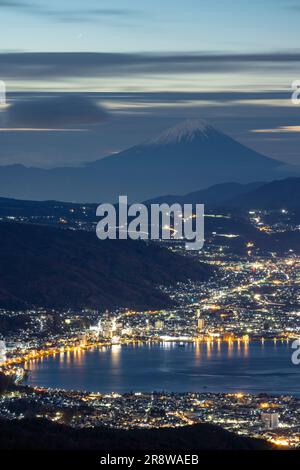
x,y
252,297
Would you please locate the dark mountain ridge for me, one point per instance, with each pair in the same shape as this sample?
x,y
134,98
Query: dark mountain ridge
x,y
217,194
43,435
278,194
45,266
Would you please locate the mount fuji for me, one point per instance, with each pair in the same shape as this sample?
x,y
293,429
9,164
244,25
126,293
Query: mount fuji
x,y
188,157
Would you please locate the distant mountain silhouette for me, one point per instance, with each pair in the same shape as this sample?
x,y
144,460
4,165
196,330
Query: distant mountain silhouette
x,y
218,194
45,266
275,195
188,157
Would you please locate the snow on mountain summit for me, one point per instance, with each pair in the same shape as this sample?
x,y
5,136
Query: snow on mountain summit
x,y
186,131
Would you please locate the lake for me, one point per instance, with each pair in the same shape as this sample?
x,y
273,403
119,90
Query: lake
x,y
254,368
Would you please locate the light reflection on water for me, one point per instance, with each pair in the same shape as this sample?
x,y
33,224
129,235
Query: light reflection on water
x,y
253,367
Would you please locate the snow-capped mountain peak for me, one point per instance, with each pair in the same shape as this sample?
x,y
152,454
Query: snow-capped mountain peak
x,y
186,131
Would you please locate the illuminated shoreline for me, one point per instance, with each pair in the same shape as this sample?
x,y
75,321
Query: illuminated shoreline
x,y
7,366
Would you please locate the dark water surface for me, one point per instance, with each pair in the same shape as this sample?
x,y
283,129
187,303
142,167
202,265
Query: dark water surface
x,y
253,368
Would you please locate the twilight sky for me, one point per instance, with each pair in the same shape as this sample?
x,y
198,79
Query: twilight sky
x,y
140,67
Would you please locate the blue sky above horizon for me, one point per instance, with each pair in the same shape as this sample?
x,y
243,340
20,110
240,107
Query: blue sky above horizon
x,y
133,25
229,61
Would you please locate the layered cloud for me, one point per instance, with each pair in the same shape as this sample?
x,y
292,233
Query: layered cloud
x,y
50,65
58,112
278,130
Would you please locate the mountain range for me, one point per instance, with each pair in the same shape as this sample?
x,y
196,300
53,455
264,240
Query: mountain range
x,y
216,195
273,195
278,194
190,156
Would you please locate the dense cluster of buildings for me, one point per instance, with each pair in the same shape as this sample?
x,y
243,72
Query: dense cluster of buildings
x,y
273,418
